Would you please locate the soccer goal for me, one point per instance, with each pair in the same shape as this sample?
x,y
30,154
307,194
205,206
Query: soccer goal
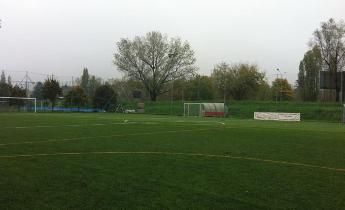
x,y
205,109
13,104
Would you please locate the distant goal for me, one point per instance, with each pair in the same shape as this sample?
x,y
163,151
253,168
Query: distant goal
x,y
18,104
205,109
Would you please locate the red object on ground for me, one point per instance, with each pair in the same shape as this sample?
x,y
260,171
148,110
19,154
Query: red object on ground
x,y
214,114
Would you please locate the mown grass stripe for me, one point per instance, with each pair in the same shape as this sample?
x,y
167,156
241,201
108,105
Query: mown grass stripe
x,y
107,136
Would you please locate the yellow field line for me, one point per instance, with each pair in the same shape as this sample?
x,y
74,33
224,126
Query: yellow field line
x,y
107,136
286,129
182,154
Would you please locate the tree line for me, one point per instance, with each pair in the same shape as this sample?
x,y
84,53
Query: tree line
x,y
157,62
89,91
163,67
238,81
9,90
156,67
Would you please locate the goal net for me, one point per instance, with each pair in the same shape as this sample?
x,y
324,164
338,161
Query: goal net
x,y
205,109
192,109
17,104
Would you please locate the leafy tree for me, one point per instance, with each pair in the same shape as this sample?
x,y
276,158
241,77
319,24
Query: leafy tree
x,y
330,39
105,98
282,89
37,92
264,92
5,89
51,90
16,91
89,83
155,61
93,84
199,88
220,80
3,78
308,76
178,90
238,81
85,79
75,97
124,88
9,80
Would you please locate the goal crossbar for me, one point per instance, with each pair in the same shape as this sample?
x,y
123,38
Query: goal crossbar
x,y
22,98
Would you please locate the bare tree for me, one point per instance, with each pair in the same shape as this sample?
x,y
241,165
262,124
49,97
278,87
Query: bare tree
x,y
155,60
330,39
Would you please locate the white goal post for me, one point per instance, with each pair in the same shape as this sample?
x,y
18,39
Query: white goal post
x,y
23,98
205,109
192,109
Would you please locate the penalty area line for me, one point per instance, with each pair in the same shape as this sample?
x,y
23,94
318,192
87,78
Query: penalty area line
x,y
180,154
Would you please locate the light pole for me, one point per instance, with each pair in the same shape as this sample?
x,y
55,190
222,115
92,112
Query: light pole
x,y
172,56
341,88
224,91
277,89
172,98
281,84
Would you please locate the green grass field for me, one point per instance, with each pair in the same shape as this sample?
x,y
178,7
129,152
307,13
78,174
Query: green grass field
x,y
93,161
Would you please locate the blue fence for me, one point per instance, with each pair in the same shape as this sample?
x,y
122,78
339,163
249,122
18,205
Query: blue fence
x,y
64,109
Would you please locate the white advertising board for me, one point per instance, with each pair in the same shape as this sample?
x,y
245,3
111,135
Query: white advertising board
x,y
277,116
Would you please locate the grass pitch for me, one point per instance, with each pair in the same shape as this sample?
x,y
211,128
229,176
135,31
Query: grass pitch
x,y
92,161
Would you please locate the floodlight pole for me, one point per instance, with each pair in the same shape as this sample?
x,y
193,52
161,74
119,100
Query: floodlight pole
x,y
172,55
35,105
281,84
224,91
277,90
172,98
341,88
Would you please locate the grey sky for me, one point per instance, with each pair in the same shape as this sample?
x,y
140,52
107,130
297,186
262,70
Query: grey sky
x,y
63,36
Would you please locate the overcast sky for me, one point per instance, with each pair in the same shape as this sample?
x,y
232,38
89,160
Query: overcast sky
x,y
62,37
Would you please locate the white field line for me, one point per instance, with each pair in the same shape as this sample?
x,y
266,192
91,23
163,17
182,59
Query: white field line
x,y
107,136
181,154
